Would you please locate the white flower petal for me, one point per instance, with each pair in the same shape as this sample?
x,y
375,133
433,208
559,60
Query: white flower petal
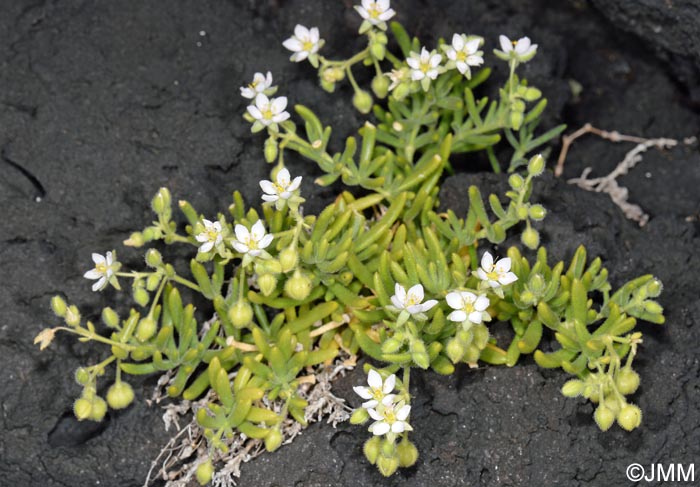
x,y
242,233
522,45
415,294
428,305
257,231
254,112
240,247
506,45
389,384
403,413
475,317
457,42
397,427
294,185
487,261
270,197
268,187
454,300
388,400
278,104
481,303
457,316
370,404
375,415
363,392
293,44
98,259
503,265
400,292
374,379
380,428
99,284
265,241
92,274
206,247
301,32
507,278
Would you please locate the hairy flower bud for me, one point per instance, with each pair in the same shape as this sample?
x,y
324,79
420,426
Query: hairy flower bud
x,y
72,316
371,449
516,181
380,85
392,345
120,395
629,417
153,258
161,201
270,149
604,417
572,388
146,329
99,409
387,465
82,408
362,101
204,473
289,258
536,165
58,305
267,284
627,381
273,440
298,286
110,317
141,296
359,416
241,314
537,212
407,453
530,238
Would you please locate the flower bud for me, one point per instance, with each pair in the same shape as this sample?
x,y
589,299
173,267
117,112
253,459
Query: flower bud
x,y
516,181
110,317
387,465
135,240
153,258
273,440
58,305
536,165
627,381
270,150
401,91
653,307
572,388
146,329
604,417
120,395
532,94
82,376
472,354
359,416
465,336
72,316
99,409
388,448
521,212
82,408
141,296
380,86
407,453
289,257
298,286
204,473
654,288
629,417
267,284
371,449
153,281
161,201
530,238
378,50
612,403
362,101
537,212
328,86
516,120
241,314
481,336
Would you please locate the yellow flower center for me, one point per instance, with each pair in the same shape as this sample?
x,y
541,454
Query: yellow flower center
x,y
461,56
101,268
425,66
493,275
212,234
307,45
389,416
374,12
267,114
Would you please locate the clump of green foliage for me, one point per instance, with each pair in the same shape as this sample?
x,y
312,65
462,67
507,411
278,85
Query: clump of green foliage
x,y
303,287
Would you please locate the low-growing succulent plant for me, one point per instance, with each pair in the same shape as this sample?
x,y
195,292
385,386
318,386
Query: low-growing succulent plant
x,y
381,271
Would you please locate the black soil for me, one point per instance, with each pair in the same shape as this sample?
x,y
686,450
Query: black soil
x,y
104,102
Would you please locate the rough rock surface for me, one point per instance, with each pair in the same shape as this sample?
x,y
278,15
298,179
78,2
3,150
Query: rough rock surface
x,y
670,28
102,103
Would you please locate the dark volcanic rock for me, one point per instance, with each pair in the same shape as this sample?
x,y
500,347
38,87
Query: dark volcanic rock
x,y
670,28
102,103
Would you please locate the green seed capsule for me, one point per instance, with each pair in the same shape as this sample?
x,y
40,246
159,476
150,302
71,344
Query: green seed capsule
x,y
627,381
629,417
298,286
371,449
204,473
146,329
241,314
120,395
604,417
362,101
572,388
359,416
58,305
407,453
82,408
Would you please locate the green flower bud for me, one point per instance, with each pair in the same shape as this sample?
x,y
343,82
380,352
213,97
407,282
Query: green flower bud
x,y
654,288
120,395
110,317
289,258
516,120
273,440
536,165
153,258
537,212
407,453
465,336
328,86
140,354
388,448
537,283
612,404
380,86
521,212
371,449
153,281
99,409
135,240
82,376
472,354
362,101
419,354
387,465
58,305
119,352
401,91
161,201
455,350
270,150
241,314
627,381
604,417
359,416
378,50
530,238
528,297
629,417
532,94
141,296
72,316
591,392
151,233
82,408
516,181
298,286
392,345
653,307
572,388
204,473
481,336
267,284
146,329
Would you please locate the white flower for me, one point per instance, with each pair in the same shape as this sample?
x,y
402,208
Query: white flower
x,y
390,418
495,275
411,300
378,390
521,50
398,76
304,43
424,65
375,12
468,307
261,83
268,111
464,52
282,188
103,271
251,242
211,236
